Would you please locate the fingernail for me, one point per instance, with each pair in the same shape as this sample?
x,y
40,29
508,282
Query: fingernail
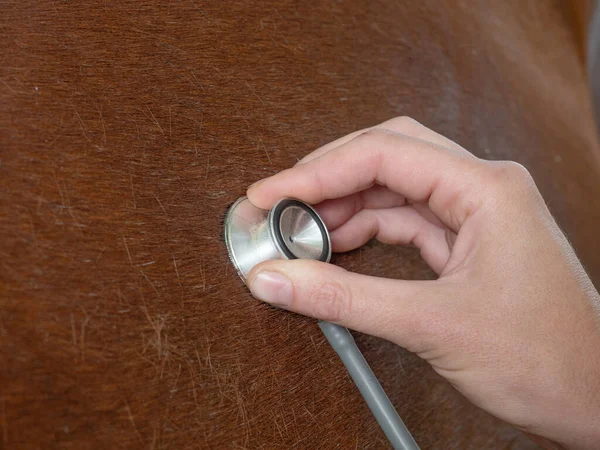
x,y
272,287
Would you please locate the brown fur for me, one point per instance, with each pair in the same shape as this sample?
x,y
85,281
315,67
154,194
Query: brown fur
x,y
127,129
580,12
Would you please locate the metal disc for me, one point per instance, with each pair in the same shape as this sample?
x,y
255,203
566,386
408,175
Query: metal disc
x,y
245,230
291,230
299,231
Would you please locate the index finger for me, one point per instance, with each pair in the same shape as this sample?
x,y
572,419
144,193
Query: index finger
x,y
417,169
403,125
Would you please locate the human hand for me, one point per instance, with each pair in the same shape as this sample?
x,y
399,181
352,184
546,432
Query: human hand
x,y
513,321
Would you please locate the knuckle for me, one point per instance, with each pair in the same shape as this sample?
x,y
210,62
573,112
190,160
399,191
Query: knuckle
x,y
510,176
402,124
516,171
331,301
371,133
371,141
375,137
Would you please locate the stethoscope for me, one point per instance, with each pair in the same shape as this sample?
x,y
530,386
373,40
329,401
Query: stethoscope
x,y
293,230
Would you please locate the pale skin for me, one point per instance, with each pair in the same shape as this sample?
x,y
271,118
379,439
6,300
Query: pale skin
x,y
512,321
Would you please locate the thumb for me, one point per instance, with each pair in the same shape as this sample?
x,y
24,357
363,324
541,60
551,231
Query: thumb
x,y
405,312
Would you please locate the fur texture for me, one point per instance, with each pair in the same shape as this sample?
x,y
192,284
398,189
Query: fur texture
x,y
129,127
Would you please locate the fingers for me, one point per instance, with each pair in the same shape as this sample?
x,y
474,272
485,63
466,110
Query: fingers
x,y
401,311
403,125
415,169
337,211
330,146
402,225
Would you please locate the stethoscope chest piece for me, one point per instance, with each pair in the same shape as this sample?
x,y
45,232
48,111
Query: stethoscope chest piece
x,y
290,230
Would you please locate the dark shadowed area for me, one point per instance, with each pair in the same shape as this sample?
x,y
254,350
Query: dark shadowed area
x,y
127,128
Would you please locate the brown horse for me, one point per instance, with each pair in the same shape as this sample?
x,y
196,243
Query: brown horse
x,y
129,127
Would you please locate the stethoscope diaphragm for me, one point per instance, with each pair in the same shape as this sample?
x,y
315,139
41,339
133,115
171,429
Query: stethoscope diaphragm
x,y
292,229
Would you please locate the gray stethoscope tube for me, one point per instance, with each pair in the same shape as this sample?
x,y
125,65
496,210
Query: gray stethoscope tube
x,y
343,343
294,230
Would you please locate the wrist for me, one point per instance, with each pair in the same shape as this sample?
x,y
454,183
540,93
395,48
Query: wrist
x,y
574,414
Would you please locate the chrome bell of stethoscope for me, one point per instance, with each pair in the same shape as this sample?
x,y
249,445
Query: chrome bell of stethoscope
x,y
290,230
